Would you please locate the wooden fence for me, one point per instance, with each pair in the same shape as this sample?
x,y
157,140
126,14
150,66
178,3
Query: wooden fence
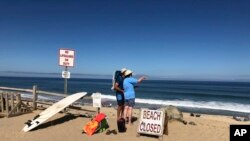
x,y
19,102
35,92
9,95
11,104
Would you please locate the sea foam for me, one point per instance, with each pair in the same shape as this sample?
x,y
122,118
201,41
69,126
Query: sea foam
x,y
215,105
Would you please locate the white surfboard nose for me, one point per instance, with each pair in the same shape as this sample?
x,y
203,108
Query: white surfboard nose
x,y
52,110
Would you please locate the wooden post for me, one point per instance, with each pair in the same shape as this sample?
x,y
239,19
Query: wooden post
x,y
18,97
166,124
12,100
7,102
98,110
2,102
34,97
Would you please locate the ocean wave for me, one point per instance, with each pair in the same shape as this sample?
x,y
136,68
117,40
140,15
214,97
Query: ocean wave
x,y
30,96
215,105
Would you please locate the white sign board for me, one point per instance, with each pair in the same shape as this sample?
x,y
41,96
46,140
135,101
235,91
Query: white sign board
x,y
66,74
151,122
66,57
97,99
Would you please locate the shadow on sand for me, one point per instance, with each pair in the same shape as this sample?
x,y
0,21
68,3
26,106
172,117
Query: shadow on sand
x,y
133,119
61,120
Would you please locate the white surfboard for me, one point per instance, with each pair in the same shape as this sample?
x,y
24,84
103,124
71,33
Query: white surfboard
x,y
52,110
113,81
115,74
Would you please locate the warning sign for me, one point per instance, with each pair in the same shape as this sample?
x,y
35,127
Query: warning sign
x,y
151,122
66,74
66,57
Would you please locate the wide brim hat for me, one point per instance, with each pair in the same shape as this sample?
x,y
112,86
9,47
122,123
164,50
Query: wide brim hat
x,y
123,70
128,72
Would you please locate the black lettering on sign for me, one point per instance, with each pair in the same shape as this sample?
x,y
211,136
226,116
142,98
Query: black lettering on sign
x,y
239,132
151,115
144,114
150,127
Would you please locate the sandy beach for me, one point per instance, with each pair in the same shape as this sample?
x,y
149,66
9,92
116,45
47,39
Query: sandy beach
x,y
68,127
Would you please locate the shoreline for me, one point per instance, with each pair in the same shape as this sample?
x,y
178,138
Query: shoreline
x,y
108,102
210,98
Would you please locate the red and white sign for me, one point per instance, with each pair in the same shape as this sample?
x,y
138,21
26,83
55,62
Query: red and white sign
x,y
66,57
151,122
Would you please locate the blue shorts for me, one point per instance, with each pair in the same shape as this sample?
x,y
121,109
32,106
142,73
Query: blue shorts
x,y
130,102
120,99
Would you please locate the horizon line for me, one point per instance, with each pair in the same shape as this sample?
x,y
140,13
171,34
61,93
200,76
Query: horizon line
x,y
109,76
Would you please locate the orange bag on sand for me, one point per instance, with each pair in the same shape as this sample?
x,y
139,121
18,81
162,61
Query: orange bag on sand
x,y
100,117
90,127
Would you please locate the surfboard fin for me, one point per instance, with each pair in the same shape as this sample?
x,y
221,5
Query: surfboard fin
x,y
37,116
37,122
28,123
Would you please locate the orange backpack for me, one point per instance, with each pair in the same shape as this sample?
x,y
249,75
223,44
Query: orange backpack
x,y
90,127
100,117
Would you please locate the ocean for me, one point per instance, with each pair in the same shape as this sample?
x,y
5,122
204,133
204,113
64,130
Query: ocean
x,y
207,97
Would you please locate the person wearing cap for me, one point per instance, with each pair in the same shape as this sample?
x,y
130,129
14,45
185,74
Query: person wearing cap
x,y
129,93
120,94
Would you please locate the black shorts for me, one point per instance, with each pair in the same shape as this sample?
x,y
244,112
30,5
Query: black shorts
x,y
130,102
120,99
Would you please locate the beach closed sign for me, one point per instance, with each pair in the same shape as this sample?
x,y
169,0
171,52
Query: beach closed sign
x,y
66,57
151,122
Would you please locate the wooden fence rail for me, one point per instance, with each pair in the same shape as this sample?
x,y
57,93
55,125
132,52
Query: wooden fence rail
x,y
15,101
16,89
34,92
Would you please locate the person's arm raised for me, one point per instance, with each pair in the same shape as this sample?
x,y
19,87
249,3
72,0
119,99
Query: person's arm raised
x,y
141,78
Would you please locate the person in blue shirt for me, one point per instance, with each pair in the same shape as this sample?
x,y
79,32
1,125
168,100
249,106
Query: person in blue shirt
x,y
129,92
120,94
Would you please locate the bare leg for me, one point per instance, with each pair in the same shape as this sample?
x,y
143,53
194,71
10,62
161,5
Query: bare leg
x,y
122,111
127,116
125,112
119,108
130,110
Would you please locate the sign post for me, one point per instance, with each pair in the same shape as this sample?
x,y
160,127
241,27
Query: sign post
x,y
66,82
66,59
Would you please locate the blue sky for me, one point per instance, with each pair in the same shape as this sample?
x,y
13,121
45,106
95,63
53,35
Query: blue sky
x,y
167,39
